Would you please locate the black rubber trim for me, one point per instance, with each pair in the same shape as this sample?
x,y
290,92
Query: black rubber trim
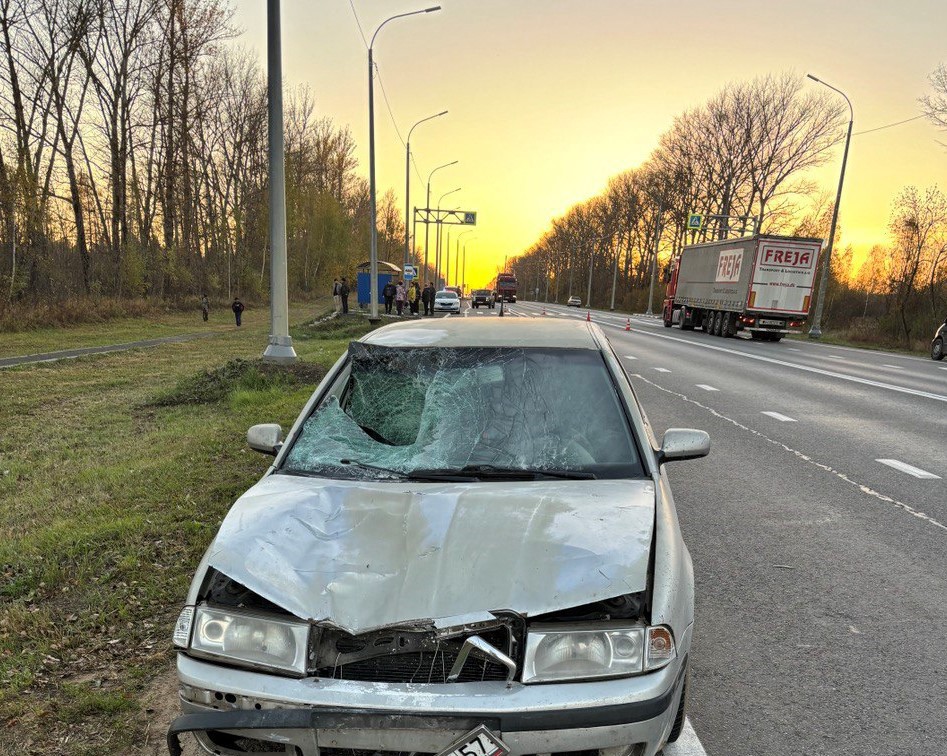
x,y
338,718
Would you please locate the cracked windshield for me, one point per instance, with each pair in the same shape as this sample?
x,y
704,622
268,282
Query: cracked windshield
x,y
457,409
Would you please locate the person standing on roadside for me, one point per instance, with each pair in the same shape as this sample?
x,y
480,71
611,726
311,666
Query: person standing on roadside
x,y
205,307
401,296
389,294
427,298
344,295
414,297
336,294
238,309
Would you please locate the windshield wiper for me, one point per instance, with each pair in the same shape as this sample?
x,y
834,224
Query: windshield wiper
x,y
492,472
375,468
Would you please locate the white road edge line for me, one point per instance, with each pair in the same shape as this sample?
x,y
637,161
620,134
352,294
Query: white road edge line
x,y
779,416
705,387
904,467
893,367
806,368
687,745
867,490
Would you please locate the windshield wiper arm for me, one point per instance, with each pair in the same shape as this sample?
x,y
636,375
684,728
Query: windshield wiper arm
x,y
491,472
375,468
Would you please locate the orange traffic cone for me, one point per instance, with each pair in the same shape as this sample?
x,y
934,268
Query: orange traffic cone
x,y
588,316
628,324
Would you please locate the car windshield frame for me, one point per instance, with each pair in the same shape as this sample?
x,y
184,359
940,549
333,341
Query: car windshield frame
x,y
366,459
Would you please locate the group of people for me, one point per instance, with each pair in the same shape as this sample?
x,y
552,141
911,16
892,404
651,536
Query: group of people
x,y
340,295
399,295
237,308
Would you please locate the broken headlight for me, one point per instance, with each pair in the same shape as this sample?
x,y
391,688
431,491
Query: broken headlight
x,y
250,640
591,651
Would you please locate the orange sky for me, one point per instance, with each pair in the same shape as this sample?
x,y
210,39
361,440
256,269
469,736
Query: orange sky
x,y
549,98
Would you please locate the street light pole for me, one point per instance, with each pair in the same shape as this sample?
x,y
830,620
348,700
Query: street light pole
x,y
437,260
427,207
280,347
407,184
463,275
654,257
373,259
457,255
816,331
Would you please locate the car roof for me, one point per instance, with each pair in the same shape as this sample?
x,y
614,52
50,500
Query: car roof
x,y
488,332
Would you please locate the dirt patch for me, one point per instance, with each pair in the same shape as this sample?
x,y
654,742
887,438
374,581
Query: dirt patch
x,y
211,386
159,707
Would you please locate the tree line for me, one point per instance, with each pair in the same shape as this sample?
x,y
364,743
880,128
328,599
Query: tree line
x,y
133,159
743,160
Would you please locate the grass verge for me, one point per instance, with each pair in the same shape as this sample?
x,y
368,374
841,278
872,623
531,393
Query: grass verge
x,y
115,472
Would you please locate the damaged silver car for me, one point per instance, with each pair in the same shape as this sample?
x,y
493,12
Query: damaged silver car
x,y
465,545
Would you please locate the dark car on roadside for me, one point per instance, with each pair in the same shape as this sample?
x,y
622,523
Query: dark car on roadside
x,y
937,343
482,297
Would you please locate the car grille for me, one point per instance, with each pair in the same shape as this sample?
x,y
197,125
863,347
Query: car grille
x,y
415,667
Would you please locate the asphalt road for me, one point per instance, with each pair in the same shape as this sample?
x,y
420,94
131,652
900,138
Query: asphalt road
x,y
821,570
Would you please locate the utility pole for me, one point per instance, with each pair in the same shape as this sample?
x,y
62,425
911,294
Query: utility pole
x,y
654,258
280,347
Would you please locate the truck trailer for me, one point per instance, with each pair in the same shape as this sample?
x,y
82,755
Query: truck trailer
x,y
761,284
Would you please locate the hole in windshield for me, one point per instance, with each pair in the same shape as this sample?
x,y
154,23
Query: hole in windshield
x,y
470,411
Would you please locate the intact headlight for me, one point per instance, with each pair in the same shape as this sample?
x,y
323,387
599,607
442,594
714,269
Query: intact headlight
x,y
587,652
250,640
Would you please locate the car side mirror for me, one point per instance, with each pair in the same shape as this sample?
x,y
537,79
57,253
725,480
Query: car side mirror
x,y
683,443
266,438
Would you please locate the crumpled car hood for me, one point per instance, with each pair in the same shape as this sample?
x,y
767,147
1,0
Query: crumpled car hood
x,y
364,554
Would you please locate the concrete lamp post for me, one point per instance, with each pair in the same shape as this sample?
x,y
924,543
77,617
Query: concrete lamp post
x,y
427,207
373,258
280,346
816,331
407,185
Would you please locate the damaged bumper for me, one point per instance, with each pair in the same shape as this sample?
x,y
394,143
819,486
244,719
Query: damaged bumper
x,y
234,711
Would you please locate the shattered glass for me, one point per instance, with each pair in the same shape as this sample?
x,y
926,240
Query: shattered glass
x,y
423,408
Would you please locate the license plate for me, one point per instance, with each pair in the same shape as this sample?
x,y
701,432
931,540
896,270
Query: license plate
x,y
478,742
771,322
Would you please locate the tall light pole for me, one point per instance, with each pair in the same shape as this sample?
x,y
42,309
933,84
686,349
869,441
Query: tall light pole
x,y
407,184
373,259
437,254
280,347
457,255
427,206
654,257
816,331
463,275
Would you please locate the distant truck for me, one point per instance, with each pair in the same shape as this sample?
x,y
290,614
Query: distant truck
x,y
506,287
761,284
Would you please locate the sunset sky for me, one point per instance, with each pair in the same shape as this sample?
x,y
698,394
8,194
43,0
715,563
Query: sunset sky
x,y
549,98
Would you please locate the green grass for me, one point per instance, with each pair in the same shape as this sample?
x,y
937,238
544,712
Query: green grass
x,y
115,472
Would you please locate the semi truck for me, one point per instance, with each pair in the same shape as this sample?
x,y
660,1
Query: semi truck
x,y
761,284
506,287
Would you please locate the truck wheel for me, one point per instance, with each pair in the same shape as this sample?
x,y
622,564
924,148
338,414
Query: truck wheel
x,y
669,321
937,349
728,325
685,314
707,322
718,323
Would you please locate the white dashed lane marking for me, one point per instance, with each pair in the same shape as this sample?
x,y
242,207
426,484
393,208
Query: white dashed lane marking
x,y
893,367
778,416
662,370
630,357
705,387
904,467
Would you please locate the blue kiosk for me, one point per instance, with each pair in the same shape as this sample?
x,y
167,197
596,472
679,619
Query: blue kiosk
x,y
387,272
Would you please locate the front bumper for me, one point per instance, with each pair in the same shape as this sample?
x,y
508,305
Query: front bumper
x,y
629,716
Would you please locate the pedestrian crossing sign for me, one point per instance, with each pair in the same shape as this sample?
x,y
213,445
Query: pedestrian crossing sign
x,y
695,222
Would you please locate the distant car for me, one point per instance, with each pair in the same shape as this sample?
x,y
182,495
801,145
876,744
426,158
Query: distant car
x,y
937,344
446,301
574,302
457,290
482,297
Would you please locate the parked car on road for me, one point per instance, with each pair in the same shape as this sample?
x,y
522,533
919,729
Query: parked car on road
x,y
574,302
482,297
446,301
445,553
937,343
